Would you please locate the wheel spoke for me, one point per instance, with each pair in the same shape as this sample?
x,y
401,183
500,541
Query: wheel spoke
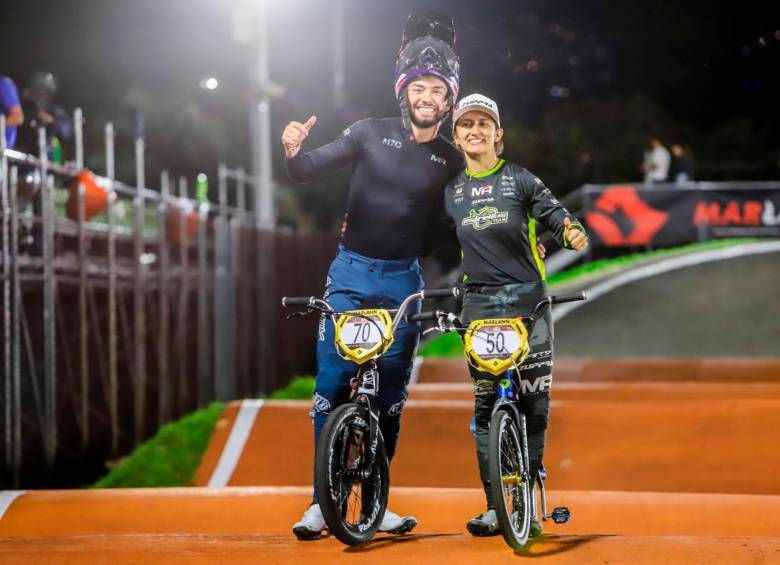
x,y
357,499
513,487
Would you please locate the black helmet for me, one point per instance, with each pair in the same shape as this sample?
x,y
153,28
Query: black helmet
x,y
427,55
428,47
434,24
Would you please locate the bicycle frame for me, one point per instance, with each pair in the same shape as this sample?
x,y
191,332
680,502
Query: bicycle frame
x,y
509,394
367,376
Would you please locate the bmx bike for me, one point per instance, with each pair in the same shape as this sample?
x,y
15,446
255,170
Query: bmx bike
x,y
499,346
351,471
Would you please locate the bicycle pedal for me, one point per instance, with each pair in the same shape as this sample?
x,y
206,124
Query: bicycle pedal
x,y
561,515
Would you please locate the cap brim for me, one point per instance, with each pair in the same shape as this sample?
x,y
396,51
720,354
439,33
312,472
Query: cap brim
x,y
476,108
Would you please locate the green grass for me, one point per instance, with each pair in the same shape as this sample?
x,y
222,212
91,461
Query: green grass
x,y
171,457
301,388
450,344
602,266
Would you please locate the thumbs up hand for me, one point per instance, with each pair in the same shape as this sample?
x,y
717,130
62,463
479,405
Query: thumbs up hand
x,y
574,235
294,134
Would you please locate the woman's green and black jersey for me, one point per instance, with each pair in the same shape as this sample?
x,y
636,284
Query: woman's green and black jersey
x,y
495,215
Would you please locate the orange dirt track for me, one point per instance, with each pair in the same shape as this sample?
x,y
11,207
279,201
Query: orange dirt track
x,y
625,437
662,472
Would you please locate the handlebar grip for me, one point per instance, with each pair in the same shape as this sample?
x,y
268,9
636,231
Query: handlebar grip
x,y
441,293
297,300
422,316
560,299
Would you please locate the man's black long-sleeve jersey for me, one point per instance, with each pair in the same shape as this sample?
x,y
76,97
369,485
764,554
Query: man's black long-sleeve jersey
x,y
396,187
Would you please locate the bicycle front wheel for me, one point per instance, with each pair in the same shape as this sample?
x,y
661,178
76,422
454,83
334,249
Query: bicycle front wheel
x,y
352,495
509,479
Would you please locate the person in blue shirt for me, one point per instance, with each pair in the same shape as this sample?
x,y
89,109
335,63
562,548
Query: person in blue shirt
x,y
11,108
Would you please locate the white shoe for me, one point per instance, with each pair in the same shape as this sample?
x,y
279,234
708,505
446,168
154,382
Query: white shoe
x,y
311,524
392,523
486,524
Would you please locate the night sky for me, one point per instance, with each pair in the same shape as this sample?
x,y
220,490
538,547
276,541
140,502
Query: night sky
x,y
703,62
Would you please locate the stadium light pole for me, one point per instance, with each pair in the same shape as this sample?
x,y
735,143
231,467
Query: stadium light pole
x,y
261,124
250,27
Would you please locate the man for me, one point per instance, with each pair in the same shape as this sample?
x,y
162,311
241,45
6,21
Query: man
x,y
657,162
400,166
681,169
11,108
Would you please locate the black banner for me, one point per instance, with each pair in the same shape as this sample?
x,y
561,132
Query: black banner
x,y
637,216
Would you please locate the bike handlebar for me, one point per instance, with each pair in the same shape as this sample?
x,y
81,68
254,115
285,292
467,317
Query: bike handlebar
x,y
560,299
455,291
422,316
297,301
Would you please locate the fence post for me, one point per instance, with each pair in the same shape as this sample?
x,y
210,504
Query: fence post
x,y
83,317
184,290
7,331
78,135
113,375
205,380
224,320
139,293
49,290
164,410
16,385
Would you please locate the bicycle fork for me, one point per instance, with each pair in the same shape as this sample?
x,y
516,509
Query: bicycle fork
x,y
366,395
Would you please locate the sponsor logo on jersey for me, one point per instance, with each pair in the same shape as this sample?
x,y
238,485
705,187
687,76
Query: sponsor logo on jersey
x,y
486,217
484,190
507,185
539,384
482,200
440,160
394,143
458,189
549,195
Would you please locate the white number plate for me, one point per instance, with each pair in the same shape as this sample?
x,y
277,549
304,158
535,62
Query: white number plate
x,y
358,332
496,342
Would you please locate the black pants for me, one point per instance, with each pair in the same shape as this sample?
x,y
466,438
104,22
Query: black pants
x,y
535,372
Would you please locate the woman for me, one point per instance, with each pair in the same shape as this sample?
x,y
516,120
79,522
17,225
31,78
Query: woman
x,y
495,206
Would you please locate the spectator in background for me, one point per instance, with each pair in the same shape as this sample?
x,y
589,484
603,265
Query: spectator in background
x,y
656,162
11,108
41,109
681,168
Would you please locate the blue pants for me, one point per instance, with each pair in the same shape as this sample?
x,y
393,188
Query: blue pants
x,y
355,282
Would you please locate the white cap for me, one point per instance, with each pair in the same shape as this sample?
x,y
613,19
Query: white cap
x,y
477,102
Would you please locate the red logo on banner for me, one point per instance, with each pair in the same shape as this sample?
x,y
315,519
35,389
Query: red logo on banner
x,y
643,221
713,213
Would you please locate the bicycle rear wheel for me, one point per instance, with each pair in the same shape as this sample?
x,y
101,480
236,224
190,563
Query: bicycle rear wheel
x,y
509,479
352,497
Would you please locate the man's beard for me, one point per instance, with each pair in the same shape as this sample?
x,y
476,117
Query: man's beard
x,y
424,124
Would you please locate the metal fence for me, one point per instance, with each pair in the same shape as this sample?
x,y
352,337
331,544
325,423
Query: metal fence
x,y
119,322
